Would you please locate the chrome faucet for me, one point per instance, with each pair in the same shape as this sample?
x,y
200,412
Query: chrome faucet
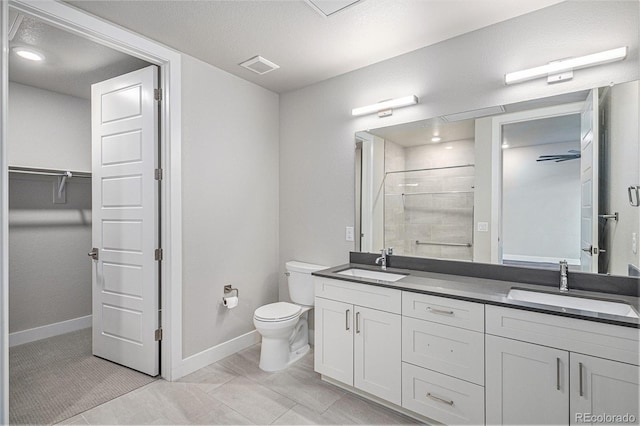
x,y
382,260
564,282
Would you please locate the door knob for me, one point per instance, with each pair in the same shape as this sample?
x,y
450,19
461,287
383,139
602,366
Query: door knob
x,y
93,253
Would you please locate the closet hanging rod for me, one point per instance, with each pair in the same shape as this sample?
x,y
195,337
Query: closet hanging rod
x,y
430,168
48,172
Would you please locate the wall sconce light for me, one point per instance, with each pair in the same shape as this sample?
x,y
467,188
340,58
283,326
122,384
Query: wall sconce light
x,y
563,69
385,108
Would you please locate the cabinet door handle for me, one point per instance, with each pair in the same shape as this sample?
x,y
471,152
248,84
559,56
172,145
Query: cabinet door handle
x,y
437,398
580,368
357,322
557,373
347,314
439,311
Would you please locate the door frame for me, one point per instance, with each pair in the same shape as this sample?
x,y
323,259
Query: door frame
x,y
497,122
169,61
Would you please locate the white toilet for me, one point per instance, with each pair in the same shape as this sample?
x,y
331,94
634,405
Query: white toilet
x,y
283,326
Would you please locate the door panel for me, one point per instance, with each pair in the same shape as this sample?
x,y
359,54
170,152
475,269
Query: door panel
x,y
334,339
589,181
378,354
603,387
525,383
125,220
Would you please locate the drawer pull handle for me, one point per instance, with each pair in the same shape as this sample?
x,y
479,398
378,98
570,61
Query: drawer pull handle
x,y
437,398
557,373
346,319
439,311
357,322
580,368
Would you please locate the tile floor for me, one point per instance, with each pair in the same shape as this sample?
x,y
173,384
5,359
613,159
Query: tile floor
x,y
235,391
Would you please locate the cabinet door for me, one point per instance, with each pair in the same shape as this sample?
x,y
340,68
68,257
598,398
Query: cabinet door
x,y
334,339
378,354
603,387
526,383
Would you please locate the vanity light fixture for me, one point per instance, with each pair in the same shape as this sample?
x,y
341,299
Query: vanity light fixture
x,y
385,108
29,54
562,70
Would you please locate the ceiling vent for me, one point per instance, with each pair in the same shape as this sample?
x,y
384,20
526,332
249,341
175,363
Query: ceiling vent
x,y
259,65
327,8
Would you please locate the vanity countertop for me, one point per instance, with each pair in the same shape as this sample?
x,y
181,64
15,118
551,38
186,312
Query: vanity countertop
x,y
483,290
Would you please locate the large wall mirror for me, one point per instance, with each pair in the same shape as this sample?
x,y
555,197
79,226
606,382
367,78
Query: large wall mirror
x,y
526,184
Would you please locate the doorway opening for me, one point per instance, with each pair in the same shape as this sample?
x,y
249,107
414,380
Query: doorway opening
x,y
50,222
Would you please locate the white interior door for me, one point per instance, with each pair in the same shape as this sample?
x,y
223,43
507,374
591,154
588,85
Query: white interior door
x,y
589,184
125,220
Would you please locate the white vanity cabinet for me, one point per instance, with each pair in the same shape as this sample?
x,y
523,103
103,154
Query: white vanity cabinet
x,y
358,336
546,369
443,358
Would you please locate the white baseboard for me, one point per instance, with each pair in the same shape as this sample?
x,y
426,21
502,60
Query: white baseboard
x,y
50,330
215,353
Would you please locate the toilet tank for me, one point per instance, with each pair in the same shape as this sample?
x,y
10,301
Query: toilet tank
x,y
300,281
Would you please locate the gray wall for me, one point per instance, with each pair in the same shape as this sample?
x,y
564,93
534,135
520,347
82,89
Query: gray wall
x,y
48,129
622,124
541,204
463,73
49,273
229,202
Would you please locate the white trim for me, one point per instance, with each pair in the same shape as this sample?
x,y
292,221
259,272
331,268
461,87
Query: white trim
x,y
49,330
216,353
539,259
85,25
4,216
497,122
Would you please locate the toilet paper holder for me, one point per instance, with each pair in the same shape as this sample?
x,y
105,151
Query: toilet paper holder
x,y
228,289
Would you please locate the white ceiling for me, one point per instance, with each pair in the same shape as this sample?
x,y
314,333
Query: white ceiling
x,y
71,63
552,130
307,46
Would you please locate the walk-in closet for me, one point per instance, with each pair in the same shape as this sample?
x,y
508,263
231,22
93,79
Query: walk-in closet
x,y
53,374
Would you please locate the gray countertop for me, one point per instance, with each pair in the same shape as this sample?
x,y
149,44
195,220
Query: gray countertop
x,y
493,292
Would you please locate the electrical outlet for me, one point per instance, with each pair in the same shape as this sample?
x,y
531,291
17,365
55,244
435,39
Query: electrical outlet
x,y
483,226
349,233
634,242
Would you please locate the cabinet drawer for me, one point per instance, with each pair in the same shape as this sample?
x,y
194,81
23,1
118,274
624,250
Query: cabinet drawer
x,y
368,296
441,398
458,313
449,350
588,337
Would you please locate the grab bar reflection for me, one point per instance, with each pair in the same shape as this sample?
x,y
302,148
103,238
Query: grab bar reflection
x,y
431,243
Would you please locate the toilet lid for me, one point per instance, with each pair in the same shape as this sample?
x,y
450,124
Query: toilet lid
x,y
279,311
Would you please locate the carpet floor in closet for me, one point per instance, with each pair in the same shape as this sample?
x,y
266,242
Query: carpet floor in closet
x,y
53,379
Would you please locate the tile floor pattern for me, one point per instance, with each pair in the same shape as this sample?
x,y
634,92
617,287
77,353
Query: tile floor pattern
x,y
235,391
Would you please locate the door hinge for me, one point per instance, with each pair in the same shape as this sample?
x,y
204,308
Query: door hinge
x,y
157,94
158,334
158,174
158,254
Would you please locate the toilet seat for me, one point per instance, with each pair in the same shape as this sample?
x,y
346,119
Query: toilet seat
x,y
276,312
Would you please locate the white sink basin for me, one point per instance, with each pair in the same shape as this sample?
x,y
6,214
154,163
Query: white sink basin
x,y
580,303
372,275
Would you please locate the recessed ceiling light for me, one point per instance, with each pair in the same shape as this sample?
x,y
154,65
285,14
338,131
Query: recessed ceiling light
x,y
28,54
448,147
436,139
505,145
